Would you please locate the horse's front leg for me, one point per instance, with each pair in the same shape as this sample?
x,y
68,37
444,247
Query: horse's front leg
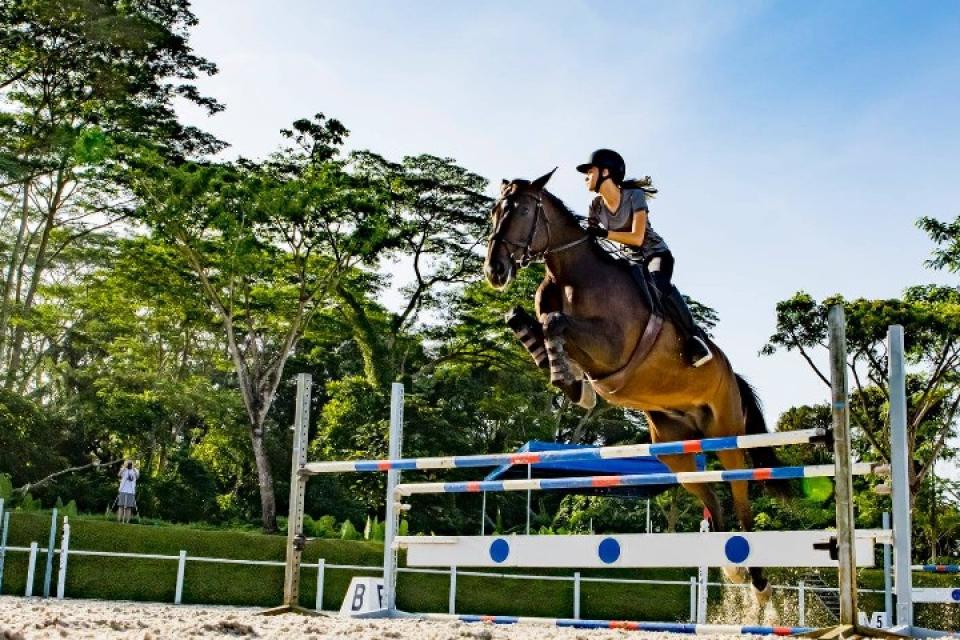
x,y
530,334
585,339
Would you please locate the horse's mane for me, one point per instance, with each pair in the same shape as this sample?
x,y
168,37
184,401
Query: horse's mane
x,y
602,252
599,249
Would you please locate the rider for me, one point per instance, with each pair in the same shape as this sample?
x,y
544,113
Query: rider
x,y
620,213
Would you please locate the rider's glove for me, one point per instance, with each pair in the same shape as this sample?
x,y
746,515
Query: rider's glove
x,y
594,229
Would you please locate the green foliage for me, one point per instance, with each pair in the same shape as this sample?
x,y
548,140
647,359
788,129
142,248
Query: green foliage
x,y
185,492
28,504
349,532
375,530
946,235
323,527
6,487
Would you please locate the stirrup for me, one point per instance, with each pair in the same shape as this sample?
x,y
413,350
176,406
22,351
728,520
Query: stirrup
x,y
705,359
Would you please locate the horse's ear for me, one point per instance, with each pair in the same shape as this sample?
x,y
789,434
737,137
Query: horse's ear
x,y
504,187
542,181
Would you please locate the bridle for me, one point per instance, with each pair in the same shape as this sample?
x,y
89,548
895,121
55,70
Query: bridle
x,y
528,255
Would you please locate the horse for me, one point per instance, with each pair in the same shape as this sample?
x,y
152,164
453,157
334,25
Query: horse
x,y
597,332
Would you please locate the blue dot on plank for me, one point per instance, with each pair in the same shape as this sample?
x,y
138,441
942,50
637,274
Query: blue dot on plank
x,y
737,549
609,550
955,595
499,550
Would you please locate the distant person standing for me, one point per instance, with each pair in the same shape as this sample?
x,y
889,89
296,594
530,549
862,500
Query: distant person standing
x,y
127,501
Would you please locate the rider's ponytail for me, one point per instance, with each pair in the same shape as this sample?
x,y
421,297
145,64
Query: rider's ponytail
x,y
645,184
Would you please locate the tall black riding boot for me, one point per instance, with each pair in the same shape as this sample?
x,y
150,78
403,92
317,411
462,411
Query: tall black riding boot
x,y
695,347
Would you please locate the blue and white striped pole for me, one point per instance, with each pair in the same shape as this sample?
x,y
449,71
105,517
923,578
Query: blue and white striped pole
x,y
634,480
706,445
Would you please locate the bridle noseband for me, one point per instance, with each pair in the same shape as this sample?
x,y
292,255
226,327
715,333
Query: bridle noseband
x,y
528,255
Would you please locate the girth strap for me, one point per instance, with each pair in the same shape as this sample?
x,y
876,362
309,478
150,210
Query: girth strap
x,y
614,383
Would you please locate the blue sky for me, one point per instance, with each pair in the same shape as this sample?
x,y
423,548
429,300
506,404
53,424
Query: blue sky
x,y
794,144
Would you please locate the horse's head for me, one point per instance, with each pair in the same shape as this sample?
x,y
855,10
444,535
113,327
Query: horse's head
x,y
517,215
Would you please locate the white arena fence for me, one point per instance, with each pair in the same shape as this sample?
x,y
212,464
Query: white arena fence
x,y
64,552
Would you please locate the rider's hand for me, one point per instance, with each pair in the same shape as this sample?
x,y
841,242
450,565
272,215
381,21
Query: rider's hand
x,y
594,229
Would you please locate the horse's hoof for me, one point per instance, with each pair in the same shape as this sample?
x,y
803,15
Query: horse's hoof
x,y
588,396
763,595
736,575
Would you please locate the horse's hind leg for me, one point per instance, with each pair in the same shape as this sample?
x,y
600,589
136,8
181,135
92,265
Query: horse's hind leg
x,y
666,428
736,459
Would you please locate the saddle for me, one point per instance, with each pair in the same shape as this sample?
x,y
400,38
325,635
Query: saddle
x,y
644,281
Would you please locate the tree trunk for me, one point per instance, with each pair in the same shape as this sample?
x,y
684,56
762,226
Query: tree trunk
x,y
6,306
39,264
268,501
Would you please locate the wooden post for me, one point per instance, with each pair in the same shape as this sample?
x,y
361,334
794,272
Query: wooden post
x,y
298,486
391,519
846,531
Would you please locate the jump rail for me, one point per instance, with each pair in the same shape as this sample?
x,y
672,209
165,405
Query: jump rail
x,y
599,482
937,568
626,625
778,439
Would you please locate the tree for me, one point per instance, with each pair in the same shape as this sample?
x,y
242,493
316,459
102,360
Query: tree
x,y
931,319
268,244
81,83
438,217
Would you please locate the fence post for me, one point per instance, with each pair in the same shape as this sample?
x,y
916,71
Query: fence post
x,y
843,481
31,568
483,514
529,476
693,599
181,567
3,545
298,488
64,553
391,518
702,579
576,595
321,568
51,543
453,590
899,478
802,604
887,574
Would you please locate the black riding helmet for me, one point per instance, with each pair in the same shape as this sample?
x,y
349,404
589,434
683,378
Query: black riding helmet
x,y
605,159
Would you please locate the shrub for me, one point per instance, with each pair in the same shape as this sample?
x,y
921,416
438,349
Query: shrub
x,y
349,532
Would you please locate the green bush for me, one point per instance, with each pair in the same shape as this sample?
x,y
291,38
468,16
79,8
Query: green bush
x,y
6,487
349,532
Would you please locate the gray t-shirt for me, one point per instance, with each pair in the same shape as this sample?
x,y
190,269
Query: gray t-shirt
x,y
631,200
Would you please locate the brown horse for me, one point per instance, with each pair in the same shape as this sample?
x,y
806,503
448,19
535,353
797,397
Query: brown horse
x,y
591,311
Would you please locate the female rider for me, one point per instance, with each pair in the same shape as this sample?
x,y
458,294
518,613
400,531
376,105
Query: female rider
x,y
620,213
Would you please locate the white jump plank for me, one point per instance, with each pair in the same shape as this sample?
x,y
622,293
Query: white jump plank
x,y
755,549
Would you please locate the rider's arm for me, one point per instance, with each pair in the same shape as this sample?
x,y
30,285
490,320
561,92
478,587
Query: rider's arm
x,y
634,237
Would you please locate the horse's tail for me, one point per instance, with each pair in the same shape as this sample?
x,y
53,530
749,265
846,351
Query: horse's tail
x,y
755,424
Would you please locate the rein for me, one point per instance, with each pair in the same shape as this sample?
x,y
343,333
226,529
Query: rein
x,y
529,256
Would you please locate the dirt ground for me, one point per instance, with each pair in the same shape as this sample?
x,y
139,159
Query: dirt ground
x,y
36,619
